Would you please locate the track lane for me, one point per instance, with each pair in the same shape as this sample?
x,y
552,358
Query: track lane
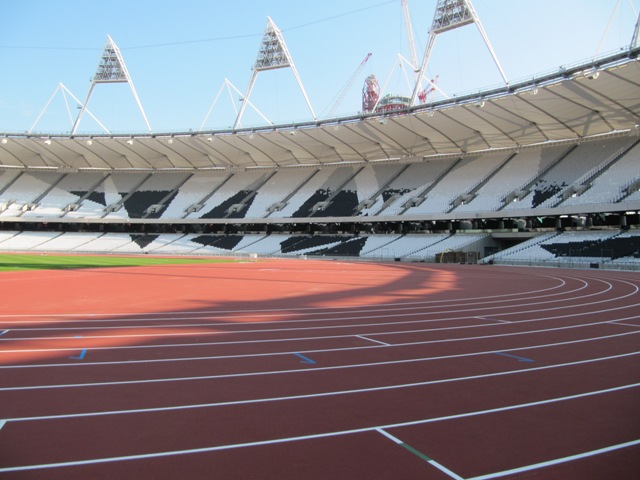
x,y
604,311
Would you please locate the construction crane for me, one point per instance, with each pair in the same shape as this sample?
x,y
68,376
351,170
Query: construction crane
x,y
347,87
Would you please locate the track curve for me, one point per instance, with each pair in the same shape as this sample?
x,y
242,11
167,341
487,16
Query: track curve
x,y
286,368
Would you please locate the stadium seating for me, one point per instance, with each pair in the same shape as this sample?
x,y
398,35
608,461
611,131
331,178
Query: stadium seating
x,y
601,173
596,172
579,248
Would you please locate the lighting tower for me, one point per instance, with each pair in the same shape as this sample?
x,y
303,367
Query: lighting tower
x,y
272,54
111,69
449,15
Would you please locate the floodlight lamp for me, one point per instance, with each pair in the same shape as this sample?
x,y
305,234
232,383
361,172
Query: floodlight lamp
x,y
47,141
90,142
5,140
130,141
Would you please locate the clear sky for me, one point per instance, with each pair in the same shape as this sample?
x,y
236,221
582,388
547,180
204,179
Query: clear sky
x,y
179,54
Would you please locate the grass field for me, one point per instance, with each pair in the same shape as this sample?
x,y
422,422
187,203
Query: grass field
x,y
20,261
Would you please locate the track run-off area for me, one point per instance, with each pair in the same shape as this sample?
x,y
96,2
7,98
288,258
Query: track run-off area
x,y
310,369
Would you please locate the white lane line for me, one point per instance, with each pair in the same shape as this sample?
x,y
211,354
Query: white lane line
x,y
329,310
249,330
573,299
615,322
332,337
314,436
324,350
389,436
557,461
374,341
444,469
310,395
228,332
335,367
421,455
351,316
493,320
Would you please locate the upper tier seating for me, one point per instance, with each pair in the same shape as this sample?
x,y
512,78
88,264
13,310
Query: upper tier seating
x,y
594,172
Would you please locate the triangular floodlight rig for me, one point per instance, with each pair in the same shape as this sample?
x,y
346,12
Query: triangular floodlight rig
x,y
64,91
111,69
449,15
636,30
228,85
272,54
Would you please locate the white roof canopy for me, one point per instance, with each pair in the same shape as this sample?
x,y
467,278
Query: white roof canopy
x,y
582,101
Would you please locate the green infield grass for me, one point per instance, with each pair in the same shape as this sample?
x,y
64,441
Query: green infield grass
x,y
20,261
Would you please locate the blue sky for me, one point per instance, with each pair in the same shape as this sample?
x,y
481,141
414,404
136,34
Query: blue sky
x,y
179,54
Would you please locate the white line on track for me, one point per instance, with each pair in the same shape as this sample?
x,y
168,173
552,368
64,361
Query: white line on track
x,y
330,350
374,341
325,435
329,337
332,310
442,468
278,330
324,327
350,312
316,395
389,436
557,461
493,320
314,310
624,324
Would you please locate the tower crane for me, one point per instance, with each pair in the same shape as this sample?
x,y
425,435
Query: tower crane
x,y
347,87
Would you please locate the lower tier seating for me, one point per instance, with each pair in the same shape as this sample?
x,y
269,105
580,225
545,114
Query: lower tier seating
x,y
612,248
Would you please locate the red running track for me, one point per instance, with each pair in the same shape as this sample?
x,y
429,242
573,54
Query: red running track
x,y
320,369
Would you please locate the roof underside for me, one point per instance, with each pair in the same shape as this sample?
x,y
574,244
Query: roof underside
x,y
567,106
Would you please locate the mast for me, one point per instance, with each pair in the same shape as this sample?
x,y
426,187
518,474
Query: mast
x,y
449,15
111,69
272,54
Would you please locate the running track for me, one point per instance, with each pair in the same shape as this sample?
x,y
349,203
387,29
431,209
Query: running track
x,y
309,369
